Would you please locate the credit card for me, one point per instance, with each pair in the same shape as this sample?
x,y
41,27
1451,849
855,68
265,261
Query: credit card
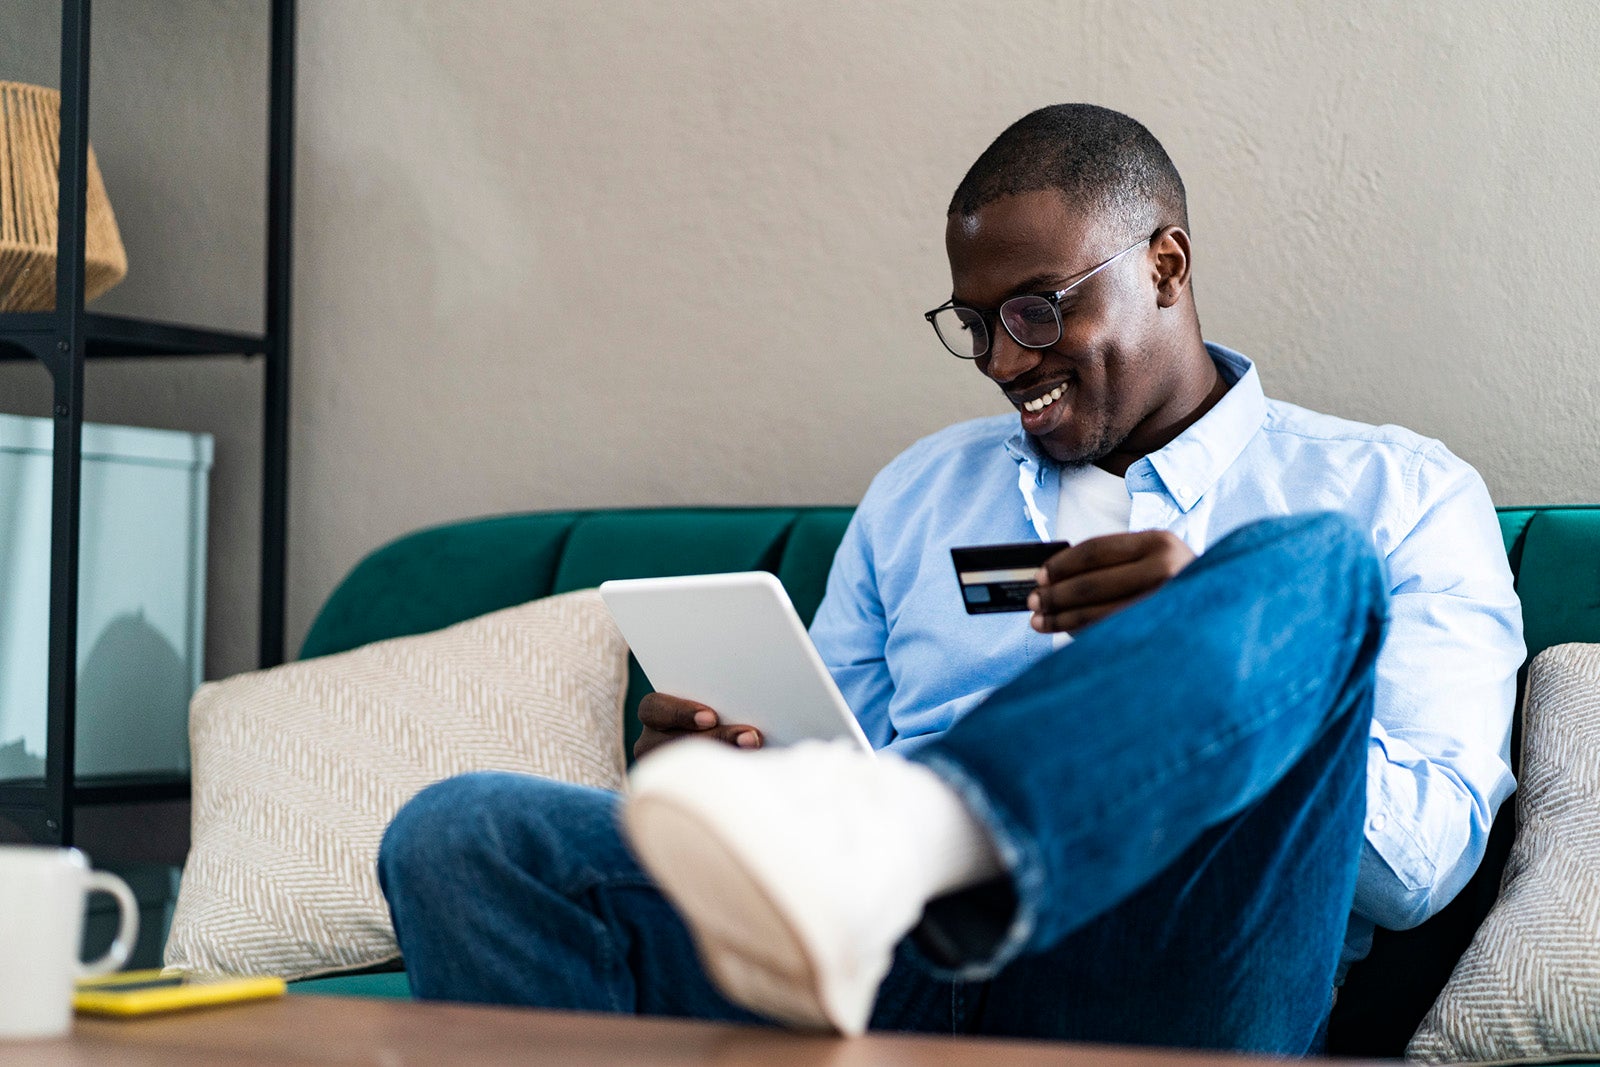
x,y
1000,577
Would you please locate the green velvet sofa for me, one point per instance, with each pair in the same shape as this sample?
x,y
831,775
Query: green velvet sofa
x,y
440,576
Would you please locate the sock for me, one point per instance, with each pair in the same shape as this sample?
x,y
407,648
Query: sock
x,y
950,848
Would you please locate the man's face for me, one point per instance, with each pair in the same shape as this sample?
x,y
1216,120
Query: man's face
x,y
1113,365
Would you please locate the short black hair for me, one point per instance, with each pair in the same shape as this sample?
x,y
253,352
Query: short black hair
x,y
1096,157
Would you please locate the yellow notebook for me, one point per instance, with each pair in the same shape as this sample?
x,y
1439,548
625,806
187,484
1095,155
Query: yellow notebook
x,y
145,992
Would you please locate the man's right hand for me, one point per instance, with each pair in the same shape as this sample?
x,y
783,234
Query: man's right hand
x,y
667,718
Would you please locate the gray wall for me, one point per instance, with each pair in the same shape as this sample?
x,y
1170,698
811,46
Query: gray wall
x,y
586,254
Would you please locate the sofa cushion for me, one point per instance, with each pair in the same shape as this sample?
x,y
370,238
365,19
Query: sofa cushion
x,y
1528,984
298,770
653,544
808,556
437,577
1558,577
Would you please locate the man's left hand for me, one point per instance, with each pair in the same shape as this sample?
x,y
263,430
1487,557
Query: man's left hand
x,y
1098,577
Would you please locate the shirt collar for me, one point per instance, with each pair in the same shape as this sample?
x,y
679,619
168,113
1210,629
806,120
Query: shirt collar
x,y
1190,464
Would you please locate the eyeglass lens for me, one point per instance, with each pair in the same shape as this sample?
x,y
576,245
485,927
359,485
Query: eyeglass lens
x,y
1031,320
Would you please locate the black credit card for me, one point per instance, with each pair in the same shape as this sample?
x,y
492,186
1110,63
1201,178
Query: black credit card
x,y
1000,577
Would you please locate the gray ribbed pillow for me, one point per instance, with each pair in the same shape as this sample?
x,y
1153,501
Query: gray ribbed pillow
x,y
298,770
1528,987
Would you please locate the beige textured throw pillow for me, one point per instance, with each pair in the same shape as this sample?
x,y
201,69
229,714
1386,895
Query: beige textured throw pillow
x,y
1528,986
298,770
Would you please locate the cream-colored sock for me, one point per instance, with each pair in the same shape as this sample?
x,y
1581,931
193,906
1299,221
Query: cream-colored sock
x,y
950,847
800,869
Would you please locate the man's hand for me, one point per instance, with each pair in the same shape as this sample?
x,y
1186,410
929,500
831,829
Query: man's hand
x,y
670,718
1095,578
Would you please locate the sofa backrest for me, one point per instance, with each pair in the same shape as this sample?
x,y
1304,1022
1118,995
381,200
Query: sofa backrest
x,y
1555,553
436,577
444,575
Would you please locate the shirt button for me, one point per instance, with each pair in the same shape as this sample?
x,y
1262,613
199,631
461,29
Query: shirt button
x,y
1378,822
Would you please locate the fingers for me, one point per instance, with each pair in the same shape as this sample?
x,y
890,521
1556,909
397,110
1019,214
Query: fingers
x,y
1105,586
650,740
738,736
669,718
1101,576
1075,619
663,712
1100,552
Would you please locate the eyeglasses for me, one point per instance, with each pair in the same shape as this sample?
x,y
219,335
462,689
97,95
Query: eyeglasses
x,y
1033,319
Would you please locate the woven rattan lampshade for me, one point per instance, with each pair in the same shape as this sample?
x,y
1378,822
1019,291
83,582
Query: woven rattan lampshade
x,y
30,158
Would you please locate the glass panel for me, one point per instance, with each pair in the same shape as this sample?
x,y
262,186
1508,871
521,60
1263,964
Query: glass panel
x,y
145,630
25,399
142,571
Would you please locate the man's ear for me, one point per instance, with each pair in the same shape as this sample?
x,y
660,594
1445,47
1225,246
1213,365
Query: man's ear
x,y
1171,260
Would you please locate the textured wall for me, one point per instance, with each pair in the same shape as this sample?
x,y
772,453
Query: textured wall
x,y
573,254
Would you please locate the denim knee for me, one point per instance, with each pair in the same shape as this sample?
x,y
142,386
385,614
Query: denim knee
x,y
488,818
1349,558
425,832
449,820
1329,552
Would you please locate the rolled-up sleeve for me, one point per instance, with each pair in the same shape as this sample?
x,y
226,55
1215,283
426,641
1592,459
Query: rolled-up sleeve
x,y
1439,757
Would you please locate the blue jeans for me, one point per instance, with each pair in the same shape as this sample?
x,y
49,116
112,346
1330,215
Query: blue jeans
x,y
1177,796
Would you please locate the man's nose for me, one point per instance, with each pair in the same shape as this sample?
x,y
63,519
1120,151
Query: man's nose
x,y
1006,360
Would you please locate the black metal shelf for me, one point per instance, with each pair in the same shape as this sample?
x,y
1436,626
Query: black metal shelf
x,y
62,340
131,788
99,789
21,793
27,322
114,336
123,337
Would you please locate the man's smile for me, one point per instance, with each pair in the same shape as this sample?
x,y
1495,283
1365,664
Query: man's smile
x,y
1041,402
1041,407
1042,395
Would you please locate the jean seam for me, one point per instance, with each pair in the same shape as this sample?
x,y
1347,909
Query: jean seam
x,y
584,891
1019,858
605,938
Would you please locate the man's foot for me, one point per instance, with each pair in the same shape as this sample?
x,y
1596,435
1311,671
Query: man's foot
x,y
793,868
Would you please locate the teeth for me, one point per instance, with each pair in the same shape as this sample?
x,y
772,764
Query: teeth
x,y
1045,401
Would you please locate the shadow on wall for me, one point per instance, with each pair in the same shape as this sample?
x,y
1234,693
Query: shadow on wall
x,y
128,688
130,684
16,762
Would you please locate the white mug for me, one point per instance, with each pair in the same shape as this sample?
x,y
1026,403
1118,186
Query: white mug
x,y
42,894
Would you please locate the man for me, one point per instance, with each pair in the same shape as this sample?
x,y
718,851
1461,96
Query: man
x,y
1270,727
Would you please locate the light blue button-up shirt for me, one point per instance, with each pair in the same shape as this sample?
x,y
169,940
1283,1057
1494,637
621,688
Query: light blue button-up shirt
x,y
910,661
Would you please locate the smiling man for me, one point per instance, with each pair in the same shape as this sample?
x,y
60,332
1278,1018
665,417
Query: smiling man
x,y
1260,705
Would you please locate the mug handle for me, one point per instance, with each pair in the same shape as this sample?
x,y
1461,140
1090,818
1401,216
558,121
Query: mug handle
x,y
127,928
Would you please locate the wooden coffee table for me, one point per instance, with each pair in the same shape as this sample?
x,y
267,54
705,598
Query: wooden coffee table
x,y
336,1030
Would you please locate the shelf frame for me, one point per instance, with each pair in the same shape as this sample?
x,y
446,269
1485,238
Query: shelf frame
x,y
124,337
62,339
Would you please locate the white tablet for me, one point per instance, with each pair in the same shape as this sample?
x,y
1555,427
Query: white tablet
x,y
734,643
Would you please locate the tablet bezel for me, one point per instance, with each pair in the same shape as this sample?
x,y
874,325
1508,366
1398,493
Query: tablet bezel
x,y
734,643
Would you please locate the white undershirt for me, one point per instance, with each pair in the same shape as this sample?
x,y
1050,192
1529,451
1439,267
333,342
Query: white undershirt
x,y
1093,503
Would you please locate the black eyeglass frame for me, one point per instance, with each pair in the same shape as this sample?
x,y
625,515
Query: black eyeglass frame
x,y
986,316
